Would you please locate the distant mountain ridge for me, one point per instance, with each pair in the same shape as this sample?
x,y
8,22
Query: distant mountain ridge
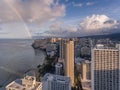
x,y
113,36
110,35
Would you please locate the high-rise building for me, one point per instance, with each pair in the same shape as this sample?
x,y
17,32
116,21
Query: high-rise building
x,y
55,82
58,69
61,49
105,68
84,68
68,55
53,40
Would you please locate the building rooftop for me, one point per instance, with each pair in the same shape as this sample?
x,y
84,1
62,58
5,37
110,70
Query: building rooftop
x,y
86,85
56,78
58,65
81,60
101,46
20,84
16,85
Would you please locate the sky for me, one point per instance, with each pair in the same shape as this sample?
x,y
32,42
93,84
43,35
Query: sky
x,y
61,18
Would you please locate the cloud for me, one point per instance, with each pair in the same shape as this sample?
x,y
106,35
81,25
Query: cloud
x,y
57,29
91,25
90,3
83,4
66,0
30,10
56,26
14,30
98,24
77,4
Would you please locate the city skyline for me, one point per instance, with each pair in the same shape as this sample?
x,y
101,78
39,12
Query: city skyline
x,y
66,65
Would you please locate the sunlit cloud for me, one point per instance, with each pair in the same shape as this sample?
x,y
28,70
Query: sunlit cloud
x,y
58,17
30,10
91,25
23,12
97,22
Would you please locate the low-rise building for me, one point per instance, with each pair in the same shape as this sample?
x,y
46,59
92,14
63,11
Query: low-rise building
x,y
51,47
84,68
27,83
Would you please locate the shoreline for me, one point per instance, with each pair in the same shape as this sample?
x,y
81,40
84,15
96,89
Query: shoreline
x,y
12,77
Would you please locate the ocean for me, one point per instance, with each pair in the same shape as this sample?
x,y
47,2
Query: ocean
x,y
16,57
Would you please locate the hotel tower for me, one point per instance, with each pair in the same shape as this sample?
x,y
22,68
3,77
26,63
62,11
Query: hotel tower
x,y
68,55
105,67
